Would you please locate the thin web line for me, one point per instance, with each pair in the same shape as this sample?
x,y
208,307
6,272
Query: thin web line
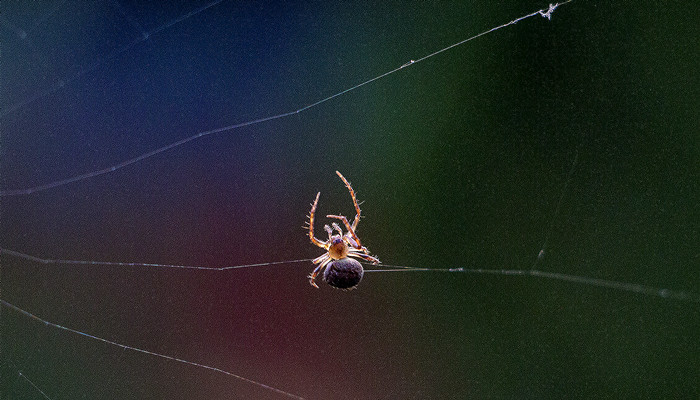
x,y
583,280
604,283
33,385
543,249
138,264
23,376
63,82
546,13
54,325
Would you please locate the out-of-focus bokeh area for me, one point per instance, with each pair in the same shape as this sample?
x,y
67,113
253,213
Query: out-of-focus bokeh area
x,y
461,160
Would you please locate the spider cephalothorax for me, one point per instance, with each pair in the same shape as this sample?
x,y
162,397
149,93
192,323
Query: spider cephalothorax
x,y
340,270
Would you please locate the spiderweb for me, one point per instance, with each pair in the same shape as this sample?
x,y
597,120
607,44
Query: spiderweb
x,y
157,165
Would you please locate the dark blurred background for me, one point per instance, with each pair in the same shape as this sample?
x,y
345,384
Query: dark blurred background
x,y
461,160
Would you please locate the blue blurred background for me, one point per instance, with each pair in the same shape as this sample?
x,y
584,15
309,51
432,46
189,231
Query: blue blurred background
x,y
461,160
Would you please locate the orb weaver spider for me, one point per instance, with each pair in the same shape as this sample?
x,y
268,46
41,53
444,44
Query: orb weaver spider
x,y
340,271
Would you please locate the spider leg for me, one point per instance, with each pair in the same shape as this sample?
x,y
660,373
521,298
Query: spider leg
x,y
350,229
337,228
319,269
354,200
319,258
315,241
329,230
364,256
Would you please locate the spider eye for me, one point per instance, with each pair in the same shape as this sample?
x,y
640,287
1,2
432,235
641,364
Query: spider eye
x,y
336,240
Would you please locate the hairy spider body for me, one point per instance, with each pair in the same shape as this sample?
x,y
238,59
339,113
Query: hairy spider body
x,y
338,248
340,270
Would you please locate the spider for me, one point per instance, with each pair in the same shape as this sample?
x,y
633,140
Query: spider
x,y
340,271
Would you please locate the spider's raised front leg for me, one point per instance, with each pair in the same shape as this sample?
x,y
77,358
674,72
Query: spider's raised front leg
x,y
354,200
337,228
350,229
319,243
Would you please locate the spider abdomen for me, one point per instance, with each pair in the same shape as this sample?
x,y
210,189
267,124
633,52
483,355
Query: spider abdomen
x,y
345,273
